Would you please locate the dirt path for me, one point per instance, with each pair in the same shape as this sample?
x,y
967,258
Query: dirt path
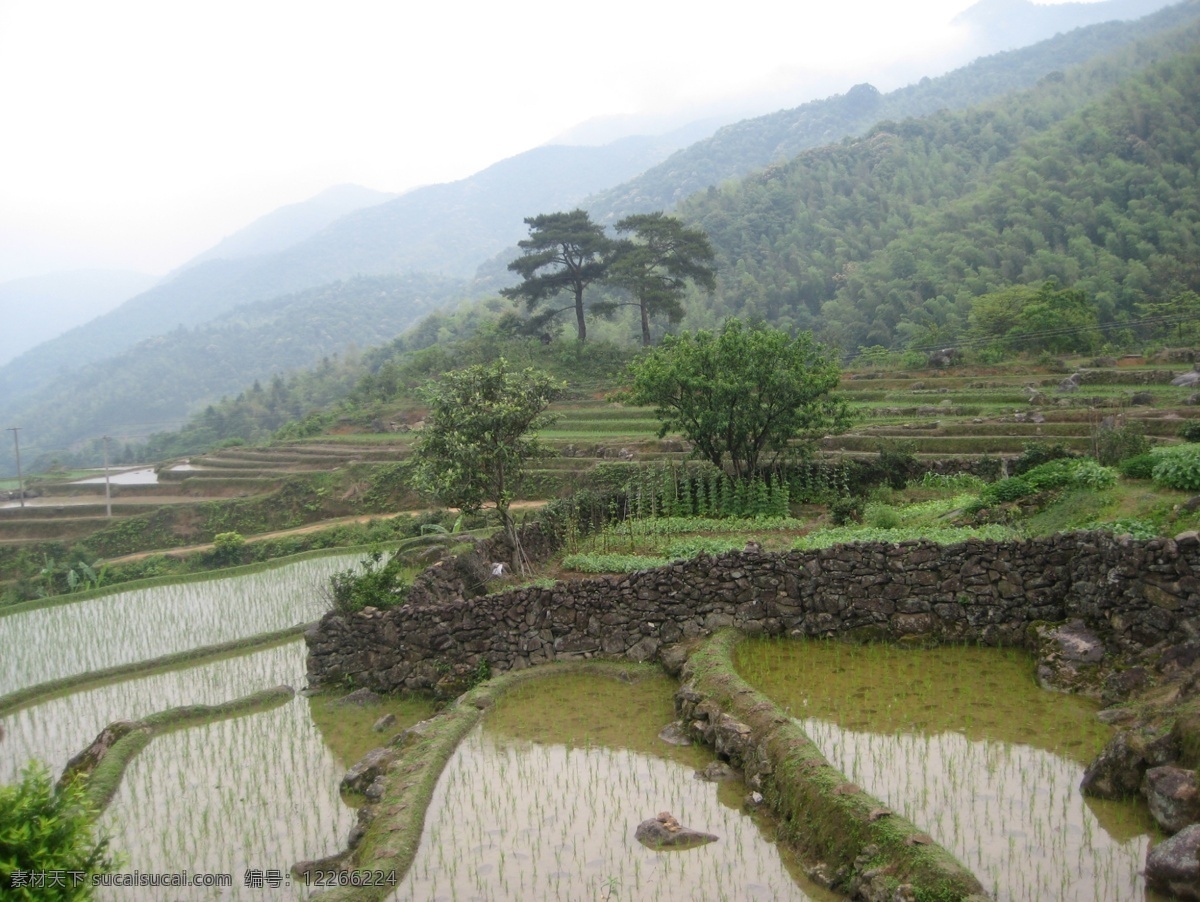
x,y
300,530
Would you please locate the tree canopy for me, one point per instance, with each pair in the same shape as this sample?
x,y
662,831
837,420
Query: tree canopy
x,y
741,395
476,445
565,252
656,264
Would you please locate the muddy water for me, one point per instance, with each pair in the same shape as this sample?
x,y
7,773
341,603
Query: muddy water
x,y
542,801
964,743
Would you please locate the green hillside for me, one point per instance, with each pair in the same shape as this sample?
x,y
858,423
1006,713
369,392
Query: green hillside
x,y
741,148
155,384
1088,178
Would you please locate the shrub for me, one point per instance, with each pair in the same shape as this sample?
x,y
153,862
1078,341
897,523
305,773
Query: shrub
x,y
1038,453
43,829
1178,468
1140,467
846,510
227,546
1115,440
375,586
1006,490
897,461
1190,431
881,516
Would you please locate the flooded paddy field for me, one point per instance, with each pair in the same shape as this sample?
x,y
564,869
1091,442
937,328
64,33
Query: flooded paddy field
x,y
542,801
77,637
963,742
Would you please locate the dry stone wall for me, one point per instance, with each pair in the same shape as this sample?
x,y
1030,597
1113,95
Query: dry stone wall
x,y
1133,594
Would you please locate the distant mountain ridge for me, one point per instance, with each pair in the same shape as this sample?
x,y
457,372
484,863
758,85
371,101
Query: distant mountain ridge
x,y
739,149
290,224
38,308
155,384
443,229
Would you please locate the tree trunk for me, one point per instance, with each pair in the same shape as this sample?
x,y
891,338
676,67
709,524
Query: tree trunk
x,y
645,325
579,323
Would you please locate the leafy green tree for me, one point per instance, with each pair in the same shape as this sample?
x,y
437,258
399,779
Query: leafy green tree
x,y
43,829
476,446
1049,318
742,394
657,263
565,252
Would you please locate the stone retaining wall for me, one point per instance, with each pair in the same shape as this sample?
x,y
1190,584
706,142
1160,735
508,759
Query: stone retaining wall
x,y
1133,594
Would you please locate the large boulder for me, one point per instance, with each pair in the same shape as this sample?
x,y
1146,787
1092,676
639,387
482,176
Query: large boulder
x,y
1187,379
1173,868
1173,797
1118,770
1070,659
664,832
374,764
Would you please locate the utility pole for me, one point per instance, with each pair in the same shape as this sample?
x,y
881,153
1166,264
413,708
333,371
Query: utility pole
x,y
17,444
107,491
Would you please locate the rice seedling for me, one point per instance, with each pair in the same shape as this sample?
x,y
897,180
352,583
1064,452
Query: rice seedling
x,y
63,640
550,806
259,791
55,730
962,742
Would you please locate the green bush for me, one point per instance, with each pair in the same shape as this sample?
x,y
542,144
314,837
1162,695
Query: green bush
x,y
1038,453
375,586
1113,442
1190,431
1140,467
1178,467
881,516
44,829
227,546
846,510
1006,490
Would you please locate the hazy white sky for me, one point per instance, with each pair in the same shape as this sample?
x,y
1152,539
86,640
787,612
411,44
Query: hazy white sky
x,y
137,133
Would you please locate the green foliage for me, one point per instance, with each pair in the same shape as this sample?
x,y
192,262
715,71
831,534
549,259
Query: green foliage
x,y
886,240
372,586
945,535
1139,467
565,252
476,446
1038,453
1115,440
742,394
593,562
1047,318
44,829
897,461
1055,474
1178,467
1139,529
846,510
952,481
228,545
656,265
1190,431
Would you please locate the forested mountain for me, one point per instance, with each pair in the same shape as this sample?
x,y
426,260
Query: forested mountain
x,y
1090,178
36,309
743,147
290,224
447,229
154,385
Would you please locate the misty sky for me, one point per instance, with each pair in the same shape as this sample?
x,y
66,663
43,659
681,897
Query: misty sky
x,y
137,133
